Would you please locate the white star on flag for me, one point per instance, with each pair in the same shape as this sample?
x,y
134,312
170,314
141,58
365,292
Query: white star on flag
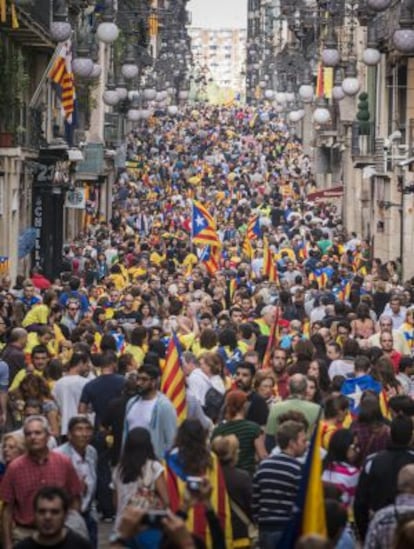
x,y
199,221
356,396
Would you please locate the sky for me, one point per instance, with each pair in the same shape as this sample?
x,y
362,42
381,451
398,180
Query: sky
x,y
218,13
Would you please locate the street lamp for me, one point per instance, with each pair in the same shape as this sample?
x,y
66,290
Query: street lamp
x,y
330,55
60,28
351,84
129,68
107,30
110,96
371,56
82,65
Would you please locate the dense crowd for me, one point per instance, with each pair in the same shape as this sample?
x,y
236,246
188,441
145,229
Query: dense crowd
x,y
283,325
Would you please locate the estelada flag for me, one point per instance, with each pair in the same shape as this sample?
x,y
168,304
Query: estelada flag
x,y
253,228
197,521
203,226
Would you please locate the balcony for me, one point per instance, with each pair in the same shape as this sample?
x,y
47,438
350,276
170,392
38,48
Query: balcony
x,y
363,143
23,128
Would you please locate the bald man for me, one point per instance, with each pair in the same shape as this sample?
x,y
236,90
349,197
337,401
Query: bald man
x,y
383,524
296,401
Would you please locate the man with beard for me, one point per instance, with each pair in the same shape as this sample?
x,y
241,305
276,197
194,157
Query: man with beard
x,y
258,410
152,410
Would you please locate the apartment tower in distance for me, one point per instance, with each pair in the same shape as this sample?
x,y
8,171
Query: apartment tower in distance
x,y
222,53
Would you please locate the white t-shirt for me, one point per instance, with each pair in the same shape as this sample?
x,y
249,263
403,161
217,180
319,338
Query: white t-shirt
x,y
127,492
67,392
198,384
140,414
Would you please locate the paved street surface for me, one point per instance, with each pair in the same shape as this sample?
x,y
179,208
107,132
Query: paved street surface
x,y
104,532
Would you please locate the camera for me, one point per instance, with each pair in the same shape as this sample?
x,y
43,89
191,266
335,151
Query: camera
x,y
194,484
153,518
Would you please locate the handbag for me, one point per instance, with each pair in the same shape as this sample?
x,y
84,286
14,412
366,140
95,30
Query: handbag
x,y
252,529
146,496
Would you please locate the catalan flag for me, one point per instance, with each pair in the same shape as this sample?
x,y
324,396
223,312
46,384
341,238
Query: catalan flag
x,y
173,380
308,514
269,267
247,248
4,264
232,288
320,85
253,120
210,257
253,228
302,252
272,342
61,74
203,229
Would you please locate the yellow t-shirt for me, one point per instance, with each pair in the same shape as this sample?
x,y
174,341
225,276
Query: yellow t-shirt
x,y
137,352
38,314
19,377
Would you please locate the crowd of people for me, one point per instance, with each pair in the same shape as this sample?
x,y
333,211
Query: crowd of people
x,y
283,323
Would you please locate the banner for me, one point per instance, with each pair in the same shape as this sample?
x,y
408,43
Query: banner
x,y
76,198
326,194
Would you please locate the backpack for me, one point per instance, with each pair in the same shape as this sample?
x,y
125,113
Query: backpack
x,y
213,404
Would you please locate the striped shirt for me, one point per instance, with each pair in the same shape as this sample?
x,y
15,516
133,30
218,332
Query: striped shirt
x,y
247,432
345,478
275,487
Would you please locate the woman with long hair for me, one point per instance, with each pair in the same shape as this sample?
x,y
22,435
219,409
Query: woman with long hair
x,y
370,427
239,486
248,433
339,464
139,480
191,457
35,387
363,326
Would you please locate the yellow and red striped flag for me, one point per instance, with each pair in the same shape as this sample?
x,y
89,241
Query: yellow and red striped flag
x,y
61,74
272,342
269,267
173,379
232,288
247,248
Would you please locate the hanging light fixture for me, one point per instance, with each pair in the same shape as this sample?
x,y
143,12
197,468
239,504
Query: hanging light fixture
x,y
107,30
82,65
371,56
403,38
269,94
129,68
337,92
330,54
121,88
60,28
306,89
351,84
134,112
110,96
321,115
96,71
